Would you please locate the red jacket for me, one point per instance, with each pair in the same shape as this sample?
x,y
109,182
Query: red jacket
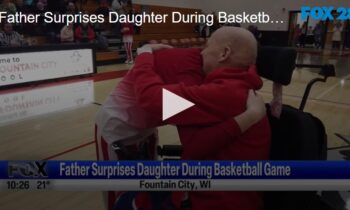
x,y
222,96
184,67
127,29
79,34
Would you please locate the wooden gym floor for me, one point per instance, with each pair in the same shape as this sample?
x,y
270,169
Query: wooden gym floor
x,y
56,122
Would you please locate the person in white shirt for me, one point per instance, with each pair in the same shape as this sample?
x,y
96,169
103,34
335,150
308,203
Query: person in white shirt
x,y
10,38
67,34
336,37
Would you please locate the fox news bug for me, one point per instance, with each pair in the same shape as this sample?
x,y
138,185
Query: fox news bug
x,y
325,13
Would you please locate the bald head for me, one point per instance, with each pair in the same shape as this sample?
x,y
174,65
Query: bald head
x,y
234,47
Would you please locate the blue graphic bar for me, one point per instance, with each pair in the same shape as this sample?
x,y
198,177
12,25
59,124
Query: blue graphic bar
x,y
174,170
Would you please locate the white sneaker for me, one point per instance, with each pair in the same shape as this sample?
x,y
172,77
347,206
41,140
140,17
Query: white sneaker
x,y
131,62
127,62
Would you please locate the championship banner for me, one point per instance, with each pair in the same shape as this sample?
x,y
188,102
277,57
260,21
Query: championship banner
x,y
174,175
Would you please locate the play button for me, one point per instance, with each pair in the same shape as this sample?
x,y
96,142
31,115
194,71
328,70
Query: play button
x,y
173,104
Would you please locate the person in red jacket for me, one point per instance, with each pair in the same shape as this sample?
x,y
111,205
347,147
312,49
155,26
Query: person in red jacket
x,y
84,33
122,120
228,61
128,31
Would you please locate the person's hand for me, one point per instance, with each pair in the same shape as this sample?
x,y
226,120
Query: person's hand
x,y
255,112
149,48
155,47
256,106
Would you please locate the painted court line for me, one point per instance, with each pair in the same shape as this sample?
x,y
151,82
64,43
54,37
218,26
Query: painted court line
x,y
70,150
309,99
331,88
36,85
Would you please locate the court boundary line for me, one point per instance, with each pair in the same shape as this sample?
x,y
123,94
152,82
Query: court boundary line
x,y
70,150
96,78
309,99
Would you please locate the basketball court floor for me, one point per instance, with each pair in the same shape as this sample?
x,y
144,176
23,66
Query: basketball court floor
x,y
55,121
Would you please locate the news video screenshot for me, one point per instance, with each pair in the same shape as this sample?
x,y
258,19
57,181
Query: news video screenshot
x,y
174,105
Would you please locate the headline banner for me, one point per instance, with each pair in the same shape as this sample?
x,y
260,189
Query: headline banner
x,y
174,175
174,170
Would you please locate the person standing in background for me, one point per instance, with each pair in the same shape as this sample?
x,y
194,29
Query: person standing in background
x,y
303,35
118,5
255,31
346,45
128,31
318,35
336,37
296,35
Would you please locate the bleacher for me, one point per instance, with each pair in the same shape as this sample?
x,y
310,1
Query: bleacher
x,y
179,35
166,30
176,34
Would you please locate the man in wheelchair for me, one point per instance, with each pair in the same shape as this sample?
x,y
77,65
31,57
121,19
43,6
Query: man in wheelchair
x,y
207,130
210,130
296,135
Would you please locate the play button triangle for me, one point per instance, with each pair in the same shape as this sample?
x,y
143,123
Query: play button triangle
x,y
174,104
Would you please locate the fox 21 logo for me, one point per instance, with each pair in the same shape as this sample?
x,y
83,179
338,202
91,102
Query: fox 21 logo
x,y
325,13
28,169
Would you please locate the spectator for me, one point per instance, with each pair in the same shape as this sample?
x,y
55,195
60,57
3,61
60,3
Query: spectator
x,y
215,25
84,33
44,2
336,37
40,26
24,9
71,8
255,31
119,6
103,8
310,38
11,38
346,45
128,31
202,29
309,31
296,35
67,34
8,6
302,37
318,32
21,7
